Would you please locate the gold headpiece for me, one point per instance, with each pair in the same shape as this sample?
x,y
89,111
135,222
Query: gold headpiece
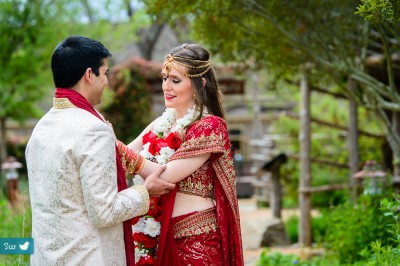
x,y
170,62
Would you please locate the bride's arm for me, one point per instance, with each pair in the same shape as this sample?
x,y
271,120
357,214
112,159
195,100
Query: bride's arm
x,y
176,169
137,144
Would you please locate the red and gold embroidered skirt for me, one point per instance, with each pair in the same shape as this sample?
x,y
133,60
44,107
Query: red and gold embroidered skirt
x,y
197,238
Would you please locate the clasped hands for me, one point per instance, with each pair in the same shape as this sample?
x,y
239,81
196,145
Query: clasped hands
x,y
155,185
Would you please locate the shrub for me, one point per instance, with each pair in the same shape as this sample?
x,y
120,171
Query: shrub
x,y
379,254
352,227
318,228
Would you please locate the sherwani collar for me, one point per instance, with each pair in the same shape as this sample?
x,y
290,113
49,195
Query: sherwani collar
x,y
62,103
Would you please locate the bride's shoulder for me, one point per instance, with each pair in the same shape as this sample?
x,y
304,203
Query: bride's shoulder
x,y
209,123
213,119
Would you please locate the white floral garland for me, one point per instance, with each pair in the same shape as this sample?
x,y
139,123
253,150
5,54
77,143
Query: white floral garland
x,y
147,224
163,126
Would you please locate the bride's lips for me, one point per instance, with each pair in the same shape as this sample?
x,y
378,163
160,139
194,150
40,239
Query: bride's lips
x,y
169,97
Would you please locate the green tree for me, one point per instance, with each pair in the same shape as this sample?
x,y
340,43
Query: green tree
x,y
24,51
289,34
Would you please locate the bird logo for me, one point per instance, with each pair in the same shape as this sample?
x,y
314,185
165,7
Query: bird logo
x,y
24,246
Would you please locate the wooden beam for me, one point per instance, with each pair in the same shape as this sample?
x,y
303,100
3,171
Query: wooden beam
x,y
335,125
321,161
324,188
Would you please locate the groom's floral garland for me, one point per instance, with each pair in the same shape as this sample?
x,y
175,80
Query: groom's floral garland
x,y
159,145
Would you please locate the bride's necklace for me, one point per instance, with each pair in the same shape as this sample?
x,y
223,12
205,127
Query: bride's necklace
x,y
164,125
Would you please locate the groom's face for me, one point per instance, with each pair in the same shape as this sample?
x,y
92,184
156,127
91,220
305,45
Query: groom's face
x,y
99,83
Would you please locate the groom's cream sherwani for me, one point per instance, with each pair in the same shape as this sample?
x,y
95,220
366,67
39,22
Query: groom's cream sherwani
x,y
77,213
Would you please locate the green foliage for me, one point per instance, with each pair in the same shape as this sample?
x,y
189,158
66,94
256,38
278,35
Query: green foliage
x,y
318,228
14,223
24,51
379,253
281,34
275,259
292,228
278,259
367,233
351,228
380,10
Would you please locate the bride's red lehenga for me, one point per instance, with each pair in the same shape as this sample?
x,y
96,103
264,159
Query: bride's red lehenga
x,y
209,237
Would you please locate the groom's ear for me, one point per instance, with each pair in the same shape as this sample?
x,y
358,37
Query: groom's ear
x,y
88,75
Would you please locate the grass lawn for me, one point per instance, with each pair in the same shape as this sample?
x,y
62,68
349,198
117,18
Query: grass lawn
x,y
15,222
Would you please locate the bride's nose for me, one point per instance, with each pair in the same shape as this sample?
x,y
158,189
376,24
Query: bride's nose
x,y
166,85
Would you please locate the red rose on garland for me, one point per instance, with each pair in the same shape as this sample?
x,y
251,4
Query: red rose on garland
x,y
145,240
153,148
149,137
160,143
174,140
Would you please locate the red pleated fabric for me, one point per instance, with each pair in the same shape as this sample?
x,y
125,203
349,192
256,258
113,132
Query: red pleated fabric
x,y
167,250
79,101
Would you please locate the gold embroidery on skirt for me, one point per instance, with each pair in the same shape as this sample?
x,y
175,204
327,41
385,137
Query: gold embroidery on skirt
x,y
203,222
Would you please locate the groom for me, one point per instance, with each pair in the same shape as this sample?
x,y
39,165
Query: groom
x,y
81,204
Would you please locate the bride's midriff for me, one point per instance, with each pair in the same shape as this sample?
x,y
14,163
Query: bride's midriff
x,y
186,203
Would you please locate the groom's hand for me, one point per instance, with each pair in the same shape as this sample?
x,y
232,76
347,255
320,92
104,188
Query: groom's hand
x,y
155,185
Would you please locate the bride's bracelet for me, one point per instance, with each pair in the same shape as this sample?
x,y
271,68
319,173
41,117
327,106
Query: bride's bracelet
x,y
131,161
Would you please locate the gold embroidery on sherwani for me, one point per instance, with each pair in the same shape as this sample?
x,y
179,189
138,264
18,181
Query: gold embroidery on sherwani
x,y
131,161
62,103
203,222
144,194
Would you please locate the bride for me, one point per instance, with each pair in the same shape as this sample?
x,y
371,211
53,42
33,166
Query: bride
x,y
198,222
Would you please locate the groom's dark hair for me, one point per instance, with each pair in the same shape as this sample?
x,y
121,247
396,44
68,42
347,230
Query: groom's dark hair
x,y
73,56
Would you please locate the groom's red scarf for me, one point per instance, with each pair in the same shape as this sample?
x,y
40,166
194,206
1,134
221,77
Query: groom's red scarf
x,y
80,102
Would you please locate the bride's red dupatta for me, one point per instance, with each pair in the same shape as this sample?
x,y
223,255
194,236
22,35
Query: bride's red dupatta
x,y
79,101
204,137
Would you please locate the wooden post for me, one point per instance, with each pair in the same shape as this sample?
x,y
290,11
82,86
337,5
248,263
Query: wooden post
x,y
352,139
276,195
274,167
305,165
257,125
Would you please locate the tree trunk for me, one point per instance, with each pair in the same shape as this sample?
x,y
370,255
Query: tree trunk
x,y
352,139
148,39
305,165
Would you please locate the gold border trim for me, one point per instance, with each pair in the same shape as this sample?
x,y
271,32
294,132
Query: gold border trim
x,y
145,204
62,103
